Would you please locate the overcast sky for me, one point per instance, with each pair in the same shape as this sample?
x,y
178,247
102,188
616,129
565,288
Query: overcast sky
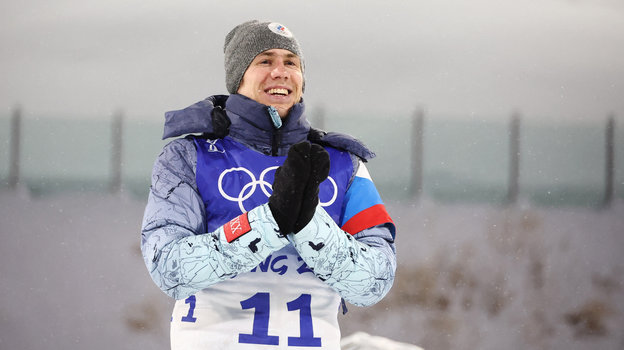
x,y
561,59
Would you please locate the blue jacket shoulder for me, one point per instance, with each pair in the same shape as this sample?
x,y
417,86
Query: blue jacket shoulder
x,y
341,141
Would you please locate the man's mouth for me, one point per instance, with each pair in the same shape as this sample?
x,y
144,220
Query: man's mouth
x,y
278,91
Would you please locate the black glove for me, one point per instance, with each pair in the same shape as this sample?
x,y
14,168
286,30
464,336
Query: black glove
x,y
319,170
289,185
295,189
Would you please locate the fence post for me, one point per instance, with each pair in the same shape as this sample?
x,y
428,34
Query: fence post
x,y
14,148
609,160
116,151
416,181
514,158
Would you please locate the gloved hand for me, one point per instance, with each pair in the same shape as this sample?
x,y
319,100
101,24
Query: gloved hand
x,y
295,188
319,170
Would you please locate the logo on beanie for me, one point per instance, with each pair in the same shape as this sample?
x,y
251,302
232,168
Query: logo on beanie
x,y
280,29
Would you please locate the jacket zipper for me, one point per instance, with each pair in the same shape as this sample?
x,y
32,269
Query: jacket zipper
x,y
275,141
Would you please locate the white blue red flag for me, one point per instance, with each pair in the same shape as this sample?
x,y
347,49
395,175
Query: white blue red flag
x,y
364,207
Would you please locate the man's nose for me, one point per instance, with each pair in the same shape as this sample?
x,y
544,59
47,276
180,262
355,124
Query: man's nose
x,y
279,71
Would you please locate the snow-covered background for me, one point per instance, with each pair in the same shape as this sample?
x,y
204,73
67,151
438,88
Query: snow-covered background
x,y
551,59
469,277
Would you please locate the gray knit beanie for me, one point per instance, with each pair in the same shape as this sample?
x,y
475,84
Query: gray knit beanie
x,y
247,40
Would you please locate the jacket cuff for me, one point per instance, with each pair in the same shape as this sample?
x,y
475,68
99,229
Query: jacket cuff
x,y
256,229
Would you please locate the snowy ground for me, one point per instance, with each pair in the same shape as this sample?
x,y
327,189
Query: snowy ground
x,y
470,277
478,277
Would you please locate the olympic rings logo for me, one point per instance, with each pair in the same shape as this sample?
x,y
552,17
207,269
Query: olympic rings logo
x,y
250,188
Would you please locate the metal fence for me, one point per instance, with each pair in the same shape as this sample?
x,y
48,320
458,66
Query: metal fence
x,y
500,161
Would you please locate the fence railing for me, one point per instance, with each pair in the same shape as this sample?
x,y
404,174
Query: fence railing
x,y
499,161
516,152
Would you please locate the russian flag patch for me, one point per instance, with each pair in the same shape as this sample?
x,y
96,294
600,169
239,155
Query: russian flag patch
x,y
364,207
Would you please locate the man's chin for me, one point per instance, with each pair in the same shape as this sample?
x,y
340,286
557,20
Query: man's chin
x,y
282,110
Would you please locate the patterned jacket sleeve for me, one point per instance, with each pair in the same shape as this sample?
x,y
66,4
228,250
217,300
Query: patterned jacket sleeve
x,y
361,267
180,257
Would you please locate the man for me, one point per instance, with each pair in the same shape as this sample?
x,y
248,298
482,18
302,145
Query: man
x,y
261,225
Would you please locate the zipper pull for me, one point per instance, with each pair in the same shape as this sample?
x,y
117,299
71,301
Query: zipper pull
x,y
275,118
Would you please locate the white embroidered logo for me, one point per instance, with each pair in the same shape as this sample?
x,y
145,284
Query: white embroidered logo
x,y
250,188
280,29
212,147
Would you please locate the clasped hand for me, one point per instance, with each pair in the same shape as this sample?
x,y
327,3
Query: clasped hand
x,y
296,186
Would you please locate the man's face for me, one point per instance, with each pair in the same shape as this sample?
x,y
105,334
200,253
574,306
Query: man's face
x,y
274,78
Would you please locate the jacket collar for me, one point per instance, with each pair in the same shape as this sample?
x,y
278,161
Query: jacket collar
x,y
251,123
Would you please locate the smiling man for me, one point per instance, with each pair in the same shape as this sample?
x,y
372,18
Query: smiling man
x,y
257,223
274,78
